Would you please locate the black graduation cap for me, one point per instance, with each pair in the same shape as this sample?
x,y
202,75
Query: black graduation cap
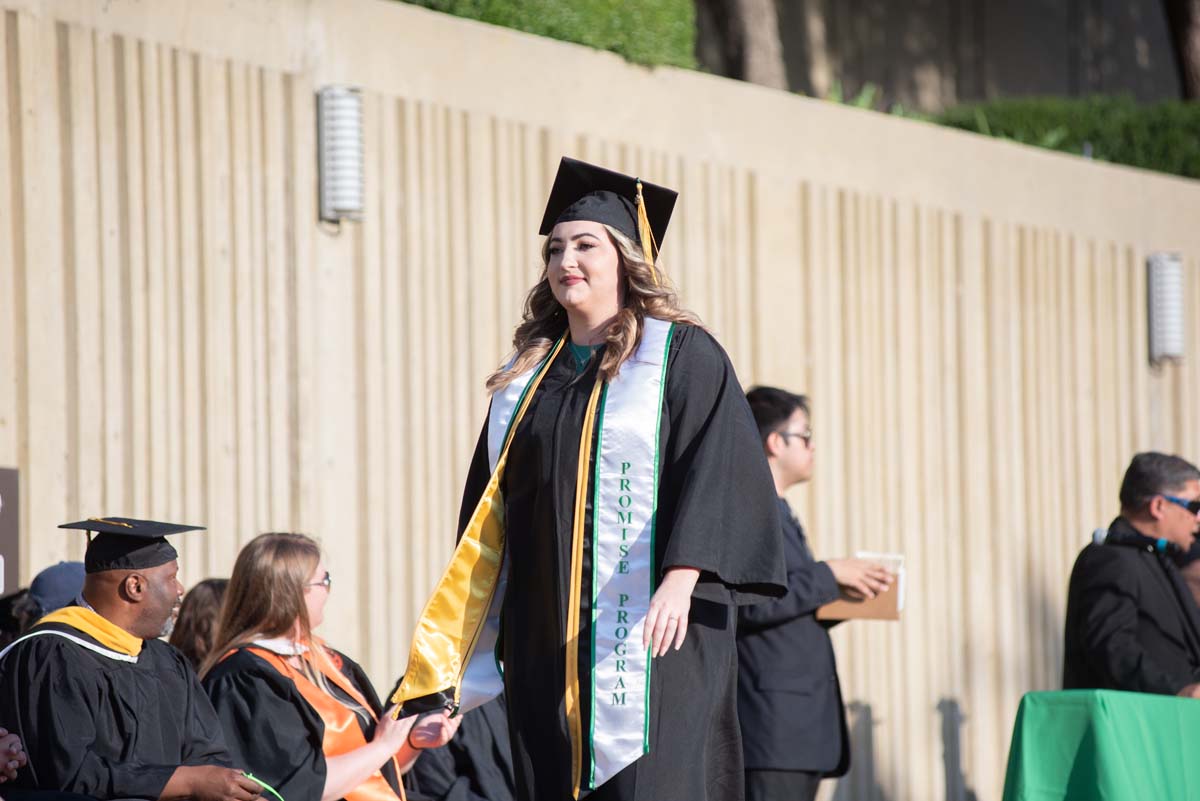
x,y
584,191
123,543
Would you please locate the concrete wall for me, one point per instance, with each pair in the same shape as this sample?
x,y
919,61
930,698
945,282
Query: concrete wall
x,y
181,339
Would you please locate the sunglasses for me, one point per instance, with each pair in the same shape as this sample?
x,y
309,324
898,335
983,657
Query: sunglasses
x,y
1193,507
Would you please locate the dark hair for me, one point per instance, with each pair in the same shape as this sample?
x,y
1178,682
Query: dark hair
x,y
196,628
772,407
1151,474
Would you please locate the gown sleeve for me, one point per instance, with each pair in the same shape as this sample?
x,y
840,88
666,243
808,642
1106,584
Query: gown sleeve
x,y
810,586
203,739
716,489
57,713
270,729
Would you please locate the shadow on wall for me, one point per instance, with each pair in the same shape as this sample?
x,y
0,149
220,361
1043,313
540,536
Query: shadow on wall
x,y
956,780
860,783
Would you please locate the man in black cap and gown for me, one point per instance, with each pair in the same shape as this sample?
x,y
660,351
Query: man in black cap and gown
x,y
104,708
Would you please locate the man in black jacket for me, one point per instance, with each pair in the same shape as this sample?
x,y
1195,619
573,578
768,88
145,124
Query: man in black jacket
x,y
1132,623
789,699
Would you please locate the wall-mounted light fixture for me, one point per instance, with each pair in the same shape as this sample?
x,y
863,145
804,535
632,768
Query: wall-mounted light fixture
x,y
1164,292
340,153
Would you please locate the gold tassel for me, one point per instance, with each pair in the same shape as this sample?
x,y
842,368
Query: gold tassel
x,y
644,232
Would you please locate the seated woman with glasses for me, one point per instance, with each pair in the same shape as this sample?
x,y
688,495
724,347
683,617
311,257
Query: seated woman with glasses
x,y
301,716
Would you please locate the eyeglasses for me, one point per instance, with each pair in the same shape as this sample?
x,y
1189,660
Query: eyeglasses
x,y
806,436
1193,507
325,582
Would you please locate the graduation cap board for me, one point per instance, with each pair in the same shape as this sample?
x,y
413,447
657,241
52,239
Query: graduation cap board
x,y
124,543
638,209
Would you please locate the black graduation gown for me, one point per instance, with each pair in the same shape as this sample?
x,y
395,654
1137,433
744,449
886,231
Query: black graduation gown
x,y
716,512
101,727
475,766
273,731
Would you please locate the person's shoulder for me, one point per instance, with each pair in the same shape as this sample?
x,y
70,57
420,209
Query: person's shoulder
x,y
162,649
1106,563
55,639
167,656
341,661
53,653
694,351
44,642
241,665
693,338
348,667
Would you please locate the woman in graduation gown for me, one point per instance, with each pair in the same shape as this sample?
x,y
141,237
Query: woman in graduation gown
x,y
303,714
631,436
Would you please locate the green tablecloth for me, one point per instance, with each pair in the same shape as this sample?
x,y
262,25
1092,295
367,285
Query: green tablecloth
x,y
1102,745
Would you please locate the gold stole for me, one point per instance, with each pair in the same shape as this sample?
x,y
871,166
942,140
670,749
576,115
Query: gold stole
x,y
454,615
99,628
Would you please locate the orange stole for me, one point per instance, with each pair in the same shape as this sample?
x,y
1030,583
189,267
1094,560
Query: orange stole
x,y
342,734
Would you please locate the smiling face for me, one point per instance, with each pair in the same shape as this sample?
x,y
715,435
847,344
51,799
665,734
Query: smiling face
x,y
584,269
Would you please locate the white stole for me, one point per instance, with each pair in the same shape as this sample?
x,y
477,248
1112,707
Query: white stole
x,y
623,569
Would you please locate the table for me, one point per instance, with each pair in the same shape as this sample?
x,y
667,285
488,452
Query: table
x,y
1104,745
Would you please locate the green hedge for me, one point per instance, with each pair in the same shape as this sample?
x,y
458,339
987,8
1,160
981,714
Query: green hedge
x,y
1163,137
650,32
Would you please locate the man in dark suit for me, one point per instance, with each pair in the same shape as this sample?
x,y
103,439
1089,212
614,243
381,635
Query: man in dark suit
x,y
1132,623
789,699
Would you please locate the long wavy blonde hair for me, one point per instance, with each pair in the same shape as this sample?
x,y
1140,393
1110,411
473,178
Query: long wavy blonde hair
x,y
544,320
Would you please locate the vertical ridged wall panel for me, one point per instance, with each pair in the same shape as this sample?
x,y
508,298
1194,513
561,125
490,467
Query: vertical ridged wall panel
x,y
180,339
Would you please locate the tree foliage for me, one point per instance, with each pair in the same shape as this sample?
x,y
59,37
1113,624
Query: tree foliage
x,y
1164,136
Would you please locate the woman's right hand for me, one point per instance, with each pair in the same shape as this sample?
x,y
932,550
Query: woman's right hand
x,y
433,730
392,732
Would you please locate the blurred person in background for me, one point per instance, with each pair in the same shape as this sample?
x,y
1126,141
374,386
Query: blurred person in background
x,y
1190,568
789,698
10,607
196,626
55,587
